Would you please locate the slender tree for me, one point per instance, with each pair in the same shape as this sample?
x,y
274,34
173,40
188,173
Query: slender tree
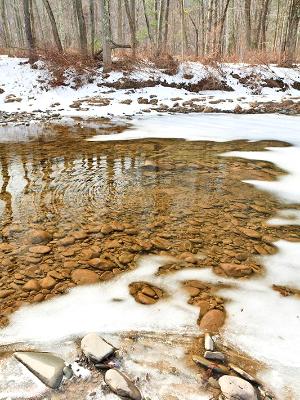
x,y
28,30
53,25
106,38
82,27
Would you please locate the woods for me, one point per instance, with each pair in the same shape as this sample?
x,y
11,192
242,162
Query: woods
x,y
214,29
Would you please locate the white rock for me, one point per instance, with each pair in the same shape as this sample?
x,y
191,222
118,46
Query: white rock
x,y
121,385
45,366
208,342
234,388
96,348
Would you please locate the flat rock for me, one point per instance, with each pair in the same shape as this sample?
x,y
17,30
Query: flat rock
x,y
212,321
234,388
144,299
96,348
121,385
40,249
221,369
214,355
250,233
236,270
84,277
45,366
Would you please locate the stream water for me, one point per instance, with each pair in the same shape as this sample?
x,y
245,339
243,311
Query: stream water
x,y
109,204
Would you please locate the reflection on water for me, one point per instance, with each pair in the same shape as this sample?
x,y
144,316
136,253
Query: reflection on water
x,y
168,195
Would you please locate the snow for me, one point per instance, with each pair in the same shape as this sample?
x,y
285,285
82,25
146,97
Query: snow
x,y
17,78
215,127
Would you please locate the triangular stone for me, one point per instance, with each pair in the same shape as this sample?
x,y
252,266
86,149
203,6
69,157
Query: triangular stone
x,y
45,366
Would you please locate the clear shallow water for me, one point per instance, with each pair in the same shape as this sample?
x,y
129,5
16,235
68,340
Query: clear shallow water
x,y
183,192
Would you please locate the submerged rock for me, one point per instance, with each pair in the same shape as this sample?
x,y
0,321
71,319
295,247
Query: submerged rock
x,y
45,366
96,348
234,388
37,236
121,385
84,277
236,270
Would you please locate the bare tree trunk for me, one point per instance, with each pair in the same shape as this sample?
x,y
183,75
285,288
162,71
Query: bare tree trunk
x,y
222,24
262,40
182,27
92,20
82,27
160,26
248,23
7,38
167,13
28,30
53,25
120,21
290,41
196,36
130,12
19,24
147,22
106,38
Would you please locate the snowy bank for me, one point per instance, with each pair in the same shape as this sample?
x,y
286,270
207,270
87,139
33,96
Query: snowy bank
x,y
194,88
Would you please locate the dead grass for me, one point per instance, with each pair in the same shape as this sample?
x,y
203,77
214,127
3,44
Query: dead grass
x,y
84,68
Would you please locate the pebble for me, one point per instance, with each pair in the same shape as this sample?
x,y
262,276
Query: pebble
x,y
47,283
68,372
234,388
96,348
33,284
120,384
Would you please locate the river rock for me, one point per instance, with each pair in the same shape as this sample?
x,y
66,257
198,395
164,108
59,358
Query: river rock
x,y
236,270
37,236
84,277
45,366
234,388
5,293
212,320
96,348
33,284
250,233
40,249
121,385
47,283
